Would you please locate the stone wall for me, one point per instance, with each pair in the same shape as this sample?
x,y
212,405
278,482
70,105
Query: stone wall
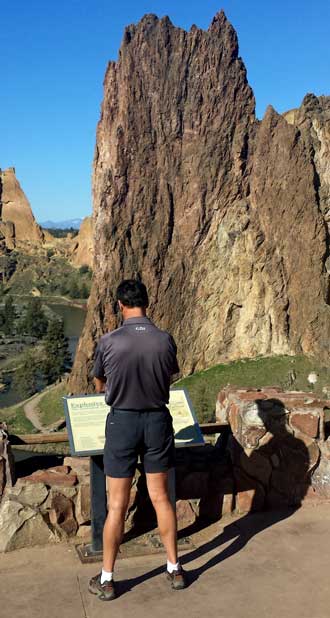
x,y
47,506
7,466
275,453
279,449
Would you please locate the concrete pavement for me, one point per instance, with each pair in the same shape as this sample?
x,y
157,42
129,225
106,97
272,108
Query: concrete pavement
x,y
262,565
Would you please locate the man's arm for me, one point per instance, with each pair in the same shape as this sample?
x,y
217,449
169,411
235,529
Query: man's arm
x,y
99,375
175,367
99,385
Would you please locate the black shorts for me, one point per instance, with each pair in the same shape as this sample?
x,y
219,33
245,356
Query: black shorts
x,y
133,433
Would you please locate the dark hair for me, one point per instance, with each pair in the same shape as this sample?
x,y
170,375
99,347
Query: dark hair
x,y
132,293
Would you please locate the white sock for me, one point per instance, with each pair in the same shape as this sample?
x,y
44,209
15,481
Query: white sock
x,y
106,576
172,567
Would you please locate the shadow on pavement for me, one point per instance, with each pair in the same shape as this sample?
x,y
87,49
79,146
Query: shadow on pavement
x,y
288,482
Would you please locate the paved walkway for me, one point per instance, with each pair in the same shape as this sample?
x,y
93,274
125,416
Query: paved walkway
x,y
260,566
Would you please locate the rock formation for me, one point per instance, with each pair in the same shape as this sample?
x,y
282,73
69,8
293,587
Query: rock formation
x,y
7,237
7,232
222,216
313,120
16,209
20,231
83,251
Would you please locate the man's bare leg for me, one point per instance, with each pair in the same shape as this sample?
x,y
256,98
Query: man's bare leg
x,y
119,493
157,484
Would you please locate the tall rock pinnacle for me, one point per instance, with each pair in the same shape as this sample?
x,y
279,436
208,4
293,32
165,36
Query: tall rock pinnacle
x,y
216,212
15,208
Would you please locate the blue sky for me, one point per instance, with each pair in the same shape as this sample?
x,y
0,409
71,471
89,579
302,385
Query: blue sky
x,y
53,58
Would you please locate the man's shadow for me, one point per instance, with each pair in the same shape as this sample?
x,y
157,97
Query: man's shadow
x,y
278,474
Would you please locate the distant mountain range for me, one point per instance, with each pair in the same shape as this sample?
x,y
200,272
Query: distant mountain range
x,y
62,225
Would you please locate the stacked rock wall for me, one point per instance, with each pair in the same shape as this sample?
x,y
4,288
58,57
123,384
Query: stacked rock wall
x,y
7,466
47,506
278,447
273,452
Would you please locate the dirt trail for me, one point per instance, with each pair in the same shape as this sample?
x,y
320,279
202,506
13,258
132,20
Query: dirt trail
x,y
30,407
30,410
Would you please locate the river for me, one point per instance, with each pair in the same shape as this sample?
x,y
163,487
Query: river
x,y
74,319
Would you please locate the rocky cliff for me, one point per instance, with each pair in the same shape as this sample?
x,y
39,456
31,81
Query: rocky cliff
x,y
83,247
16,209
19,229
313,120
222,216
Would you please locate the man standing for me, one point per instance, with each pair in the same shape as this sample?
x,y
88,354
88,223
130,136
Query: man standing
x,y
134,365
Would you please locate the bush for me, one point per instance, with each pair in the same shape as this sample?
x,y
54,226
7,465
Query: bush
x,y
84,269
84,291
74,290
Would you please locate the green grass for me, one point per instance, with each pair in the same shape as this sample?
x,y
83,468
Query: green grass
x,y
50,407
287,372
16,420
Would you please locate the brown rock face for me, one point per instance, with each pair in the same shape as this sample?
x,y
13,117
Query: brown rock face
x,y
83,252
7,236
218,214
61,515
16,209
313,120
290,464
59,475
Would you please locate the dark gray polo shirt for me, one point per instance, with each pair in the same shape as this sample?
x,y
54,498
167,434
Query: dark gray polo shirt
x,y
137,361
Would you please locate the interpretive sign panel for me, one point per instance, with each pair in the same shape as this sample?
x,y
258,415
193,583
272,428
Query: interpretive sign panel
x,y
85,420
86,416
187,431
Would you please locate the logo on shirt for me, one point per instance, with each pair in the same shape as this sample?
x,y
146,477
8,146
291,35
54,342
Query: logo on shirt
x,y
140,328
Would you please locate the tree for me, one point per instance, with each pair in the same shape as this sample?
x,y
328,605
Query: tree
x,y
74,289
84,269
25,378
56,351
8,316
35,322
84,291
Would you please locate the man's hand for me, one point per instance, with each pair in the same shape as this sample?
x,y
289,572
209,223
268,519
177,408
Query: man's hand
x,y
99,385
